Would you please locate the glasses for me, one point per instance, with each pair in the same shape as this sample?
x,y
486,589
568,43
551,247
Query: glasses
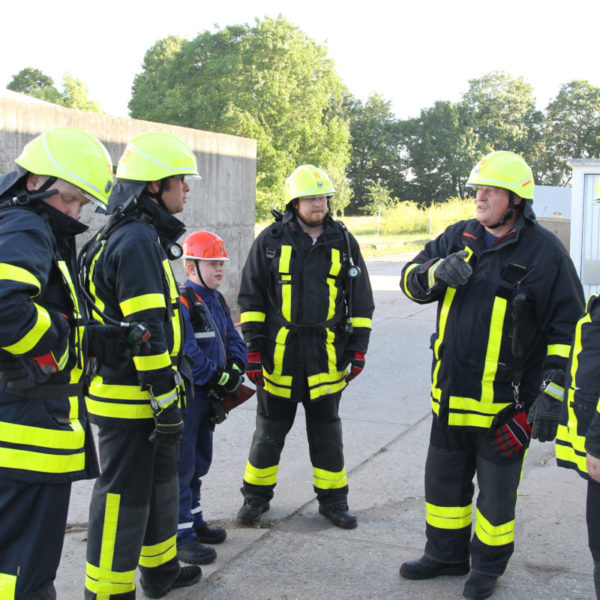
x,y
179,178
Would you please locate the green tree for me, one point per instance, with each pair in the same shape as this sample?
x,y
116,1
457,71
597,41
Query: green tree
x,y
571,130
270,82
76,95
378,198
375,155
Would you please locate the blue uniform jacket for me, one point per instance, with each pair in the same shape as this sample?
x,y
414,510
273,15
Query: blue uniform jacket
x,y
217,346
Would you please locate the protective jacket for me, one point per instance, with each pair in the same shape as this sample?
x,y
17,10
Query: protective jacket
x,y
46,437
500,332
579,429
131,279
300,308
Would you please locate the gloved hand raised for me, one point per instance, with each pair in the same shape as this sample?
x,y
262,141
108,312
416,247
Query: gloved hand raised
x,y
452,271
511,437
545,412
356,360
254,368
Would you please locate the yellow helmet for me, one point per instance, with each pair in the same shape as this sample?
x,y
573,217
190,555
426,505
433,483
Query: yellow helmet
x,y
306,181
154,156
505,170
74,156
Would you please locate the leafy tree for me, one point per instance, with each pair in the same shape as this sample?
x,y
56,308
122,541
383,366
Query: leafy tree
x,y
270,82
33,82
378,198
375,148
572,130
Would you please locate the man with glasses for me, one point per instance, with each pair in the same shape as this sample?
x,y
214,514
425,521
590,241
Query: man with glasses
x,y
137,405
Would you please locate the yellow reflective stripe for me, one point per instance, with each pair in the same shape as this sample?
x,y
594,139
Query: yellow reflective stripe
x,y
435,405
276,390
109,532
108,585
158,554
472,405
284,259
175,317
331,279
116,391
492,354
286,297
61,362
436,392
256,476
448,517
33,336
405,283
8,585
152,362
470,420
27,460
327,389
140,303
253,316
329,480
40,436
555,391
559,350
118,410
494,535
13,273
91,285
567,453
118,401
362,322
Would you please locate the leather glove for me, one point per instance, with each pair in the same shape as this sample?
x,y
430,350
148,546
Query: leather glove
x,y
545,412
511,437
229,379
108,344
356,360
168,425
21,373
215,394
254,368
453,270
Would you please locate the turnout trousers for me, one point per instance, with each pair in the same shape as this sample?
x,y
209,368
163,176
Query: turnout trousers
x,y
593,526
33,517
133,515
274,419
453,459
192,465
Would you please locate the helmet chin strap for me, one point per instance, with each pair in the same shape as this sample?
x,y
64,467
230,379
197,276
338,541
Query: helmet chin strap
x,y
199,276
508,214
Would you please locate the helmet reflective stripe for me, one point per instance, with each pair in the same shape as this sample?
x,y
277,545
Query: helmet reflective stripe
x,y
177,171
505,170
70,174
307,181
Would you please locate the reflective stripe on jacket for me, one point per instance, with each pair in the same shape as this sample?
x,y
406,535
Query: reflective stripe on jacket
x,y
579,429
293,298
478,368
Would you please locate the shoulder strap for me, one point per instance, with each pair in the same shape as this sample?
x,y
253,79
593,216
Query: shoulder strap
x,y
193,302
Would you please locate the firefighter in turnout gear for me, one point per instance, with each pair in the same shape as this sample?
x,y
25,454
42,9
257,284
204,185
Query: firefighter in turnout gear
x,y
219,355
306,306
508,299
46,441
137,404
578,436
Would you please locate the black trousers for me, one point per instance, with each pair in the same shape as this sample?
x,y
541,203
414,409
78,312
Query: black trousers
x,y
274,419
593,526
453,459
133,515
32,530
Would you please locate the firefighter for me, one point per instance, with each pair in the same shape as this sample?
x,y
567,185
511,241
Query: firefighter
x,y
578,436
508,299
133,510
219,357
46,440
306,305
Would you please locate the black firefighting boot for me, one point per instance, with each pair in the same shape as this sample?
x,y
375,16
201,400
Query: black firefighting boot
x,y
339,515
195,553
251,510
207,534
427,568
479,586
187,576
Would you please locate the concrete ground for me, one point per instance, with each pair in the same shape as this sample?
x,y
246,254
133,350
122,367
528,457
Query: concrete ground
x,y
296,554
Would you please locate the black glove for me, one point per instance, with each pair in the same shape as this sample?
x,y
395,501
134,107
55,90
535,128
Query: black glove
x,y
215,394
357,362
168,425
229,379
108,343
453,270
20,373
545,412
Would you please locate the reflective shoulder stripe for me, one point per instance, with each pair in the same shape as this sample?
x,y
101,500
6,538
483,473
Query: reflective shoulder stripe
x,y
559,350
34,335
10,272
140,303
362,322
253,316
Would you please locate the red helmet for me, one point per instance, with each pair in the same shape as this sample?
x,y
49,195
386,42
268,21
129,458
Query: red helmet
x,y
204,245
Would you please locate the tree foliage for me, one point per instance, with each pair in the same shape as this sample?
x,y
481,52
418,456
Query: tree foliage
x,y
33,82
270,82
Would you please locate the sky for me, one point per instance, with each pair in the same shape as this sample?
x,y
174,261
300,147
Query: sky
x,y
412,53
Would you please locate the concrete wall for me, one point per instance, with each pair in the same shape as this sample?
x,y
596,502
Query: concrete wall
x,y
223,201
